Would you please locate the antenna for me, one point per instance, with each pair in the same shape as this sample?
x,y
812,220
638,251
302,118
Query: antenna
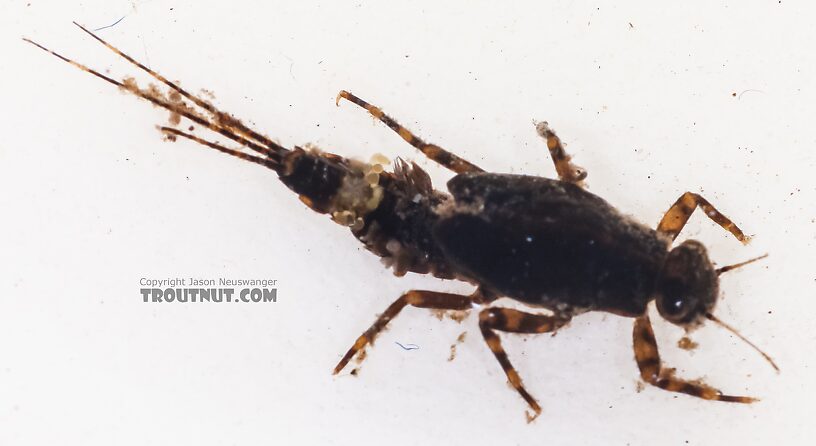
x,y
711,317
727,268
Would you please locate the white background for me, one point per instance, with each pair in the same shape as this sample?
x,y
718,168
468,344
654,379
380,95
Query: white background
x,y
93,201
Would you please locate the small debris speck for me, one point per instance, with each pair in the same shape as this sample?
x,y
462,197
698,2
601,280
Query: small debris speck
x,y
407,346
686,343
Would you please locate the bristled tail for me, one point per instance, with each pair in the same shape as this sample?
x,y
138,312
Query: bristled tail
x,y
200,111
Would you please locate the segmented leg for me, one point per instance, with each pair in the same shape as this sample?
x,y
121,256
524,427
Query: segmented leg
x,y
432,151
567,171
677,216
417,298
514,321
653,372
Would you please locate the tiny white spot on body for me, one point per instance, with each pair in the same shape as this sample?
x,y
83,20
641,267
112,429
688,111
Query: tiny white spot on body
x,y
393,246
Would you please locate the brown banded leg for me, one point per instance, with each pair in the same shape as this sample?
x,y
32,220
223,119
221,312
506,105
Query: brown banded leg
x,y
653,372
677,216
432,151
514,321
417,298
567,171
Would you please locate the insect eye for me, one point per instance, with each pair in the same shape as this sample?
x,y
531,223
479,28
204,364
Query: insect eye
x,y
674,308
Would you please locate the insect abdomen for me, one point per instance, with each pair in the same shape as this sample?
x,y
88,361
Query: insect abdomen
x,y
400,229
315,179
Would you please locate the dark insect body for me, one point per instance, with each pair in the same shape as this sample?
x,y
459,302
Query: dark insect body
x,y
547,243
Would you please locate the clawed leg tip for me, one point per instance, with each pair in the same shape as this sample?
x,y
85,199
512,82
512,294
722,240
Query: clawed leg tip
x,y
543,128
531,415
737,399
342,95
